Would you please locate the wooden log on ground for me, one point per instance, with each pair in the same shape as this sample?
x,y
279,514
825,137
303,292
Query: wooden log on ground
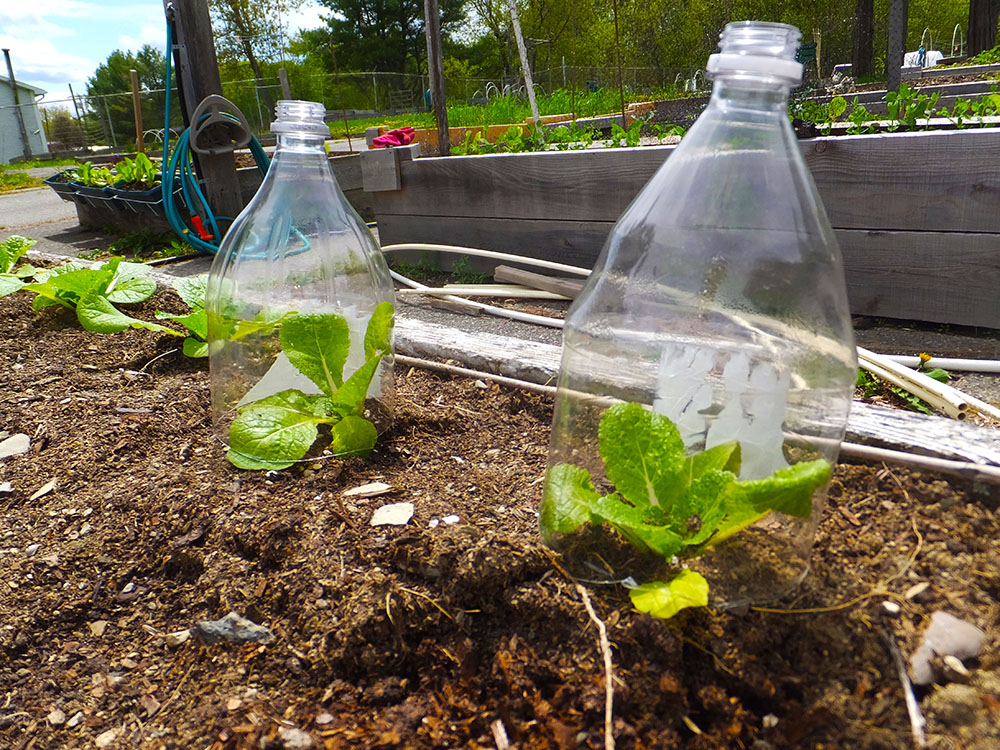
x,y
566,287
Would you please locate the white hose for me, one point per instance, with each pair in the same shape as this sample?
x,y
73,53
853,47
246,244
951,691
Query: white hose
x,y
459,250
948,363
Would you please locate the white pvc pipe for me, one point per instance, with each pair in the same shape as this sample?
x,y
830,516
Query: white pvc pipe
x,y
948,363
459,250
501,312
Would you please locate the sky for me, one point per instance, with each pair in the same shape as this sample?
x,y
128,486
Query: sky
x,y
57,43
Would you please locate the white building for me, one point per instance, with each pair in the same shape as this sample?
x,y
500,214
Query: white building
x,y
11,145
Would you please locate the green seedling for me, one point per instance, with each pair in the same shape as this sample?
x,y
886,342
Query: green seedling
x,y
191,289
670,504
278,430
12,250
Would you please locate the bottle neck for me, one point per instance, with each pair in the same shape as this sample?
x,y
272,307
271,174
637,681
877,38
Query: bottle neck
x,y
753,93
300,143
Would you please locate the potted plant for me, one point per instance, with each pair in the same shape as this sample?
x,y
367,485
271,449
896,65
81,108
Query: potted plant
x,y
62,183
136,184
92,183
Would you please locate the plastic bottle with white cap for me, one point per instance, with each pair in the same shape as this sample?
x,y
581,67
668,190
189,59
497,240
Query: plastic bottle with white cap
x,y
708,366
292,295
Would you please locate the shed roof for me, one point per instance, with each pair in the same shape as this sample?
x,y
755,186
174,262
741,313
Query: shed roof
x,y
33,89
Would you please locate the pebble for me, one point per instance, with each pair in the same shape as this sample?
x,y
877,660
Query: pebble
x,y
6,488
97,627
770,721
74,720
56,718
953,670
891,608
15,445
323,718
106,738
45,489
946,636
31,549
396,514
176,638
372,489
293,738
235,629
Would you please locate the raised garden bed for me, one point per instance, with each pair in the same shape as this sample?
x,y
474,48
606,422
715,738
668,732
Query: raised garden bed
x,y
124,526
915,213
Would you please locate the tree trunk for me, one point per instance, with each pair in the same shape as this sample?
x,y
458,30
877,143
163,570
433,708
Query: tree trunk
x,y
983,16
864,33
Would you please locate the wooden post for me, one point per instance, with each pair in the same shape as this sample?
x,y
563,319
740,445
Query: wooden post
x,y
899,11
435,72
525,67
197,73
25,144
286,90
140,142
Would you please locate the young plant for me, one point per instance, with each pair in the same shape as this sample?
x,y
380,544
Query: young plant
x,y
670,504
94,292
139,172
278,430
191,289
12,250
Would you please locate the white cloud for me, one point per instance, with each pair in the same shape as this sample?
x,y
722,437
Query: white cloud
x,y
39,62
37,18
152,34
306,17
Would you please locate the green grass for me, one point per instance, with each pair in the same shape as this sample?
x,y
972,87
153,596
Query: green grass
x,y
501,110
37,163
11,181
142,246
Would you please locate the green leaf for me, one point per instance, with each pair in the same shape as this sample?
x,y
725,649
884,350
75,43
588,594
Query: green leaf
x,y
643,455
938,374
129,290
379,330
350,397
194,348
664,540
270,436
45,295
317,345
724,457
664,600
353,435
25,271
788,490
96,313
837,107
312,405
568,499
196,322
10,284
12,249
192,290
706,505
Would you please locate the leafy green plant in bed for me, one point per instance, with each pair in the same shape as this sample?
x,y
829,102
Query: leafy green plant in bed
x,y
191,289
667,503
12,250
139,173
276,431
94,292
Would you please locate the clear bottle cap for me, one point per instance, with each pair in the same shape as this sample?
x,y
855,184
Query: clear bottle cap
x,y
296,116
758,48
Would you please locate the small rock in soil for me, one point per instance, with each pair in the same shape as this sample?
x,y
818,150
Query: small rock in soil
x,y
56,718
373,489
323,718
945,636
45,489
397,514
106,738
15,445
6,488
74,720
235,629
97,627
30,550
295,739
955,705
176,638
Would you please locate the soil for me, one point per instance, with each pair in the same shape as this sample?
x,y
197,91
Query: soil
x,y
441,633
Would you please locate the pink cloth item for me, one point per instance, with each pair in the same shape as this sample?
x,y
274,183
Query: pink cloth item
x,y
399,137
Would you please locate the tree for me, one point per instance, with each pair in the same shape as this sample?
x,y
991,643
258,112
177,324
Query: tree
x,y
385,35
983,15
112,83
250,30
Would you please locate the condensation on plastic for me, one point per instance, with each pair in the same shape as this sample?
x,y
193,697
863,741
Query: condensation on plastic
x,y
719,301
299,246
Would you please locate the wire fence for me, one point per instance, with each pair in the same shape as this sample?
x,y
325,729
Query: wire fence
x,y
108,122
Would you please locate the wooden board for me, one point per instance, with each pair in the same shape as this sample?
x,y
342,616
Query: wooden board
x,y
944,277
539,363
931,181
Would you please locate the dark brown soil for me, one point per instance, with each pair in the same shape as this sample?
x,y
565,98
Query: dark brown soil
x,y
430,635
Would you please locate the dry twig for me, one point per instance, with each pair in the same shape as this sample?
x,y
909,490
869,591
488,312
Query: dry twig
x,y
609,689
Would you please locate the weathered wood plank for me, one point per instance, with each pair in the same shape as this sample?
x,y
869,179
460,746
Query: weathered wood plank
x,y
935,181
558,285
539,363
942,277
939,277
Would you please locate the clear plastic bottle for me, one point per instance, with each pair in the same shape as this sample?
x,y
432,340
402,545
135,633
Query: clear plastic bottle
x,y
719,303
299,304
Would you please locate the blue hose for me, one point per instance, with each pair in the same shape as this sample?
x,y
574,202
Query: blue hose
x,y
180,161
